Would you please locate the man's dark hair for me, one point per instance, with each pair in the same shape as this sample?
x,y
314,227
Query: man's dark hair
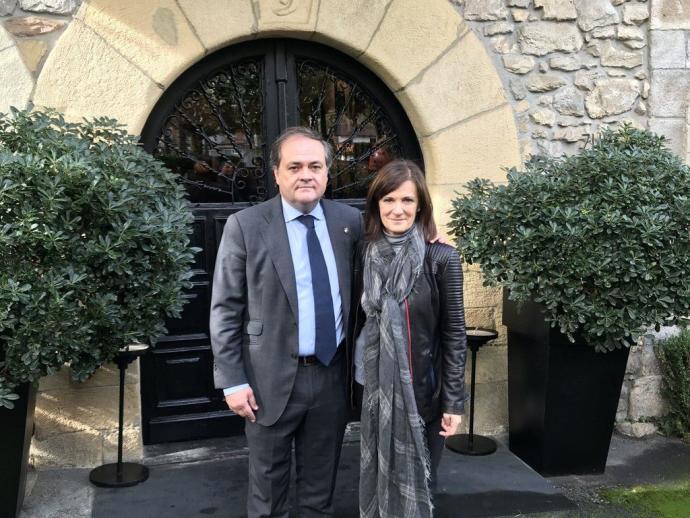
x,y
300,131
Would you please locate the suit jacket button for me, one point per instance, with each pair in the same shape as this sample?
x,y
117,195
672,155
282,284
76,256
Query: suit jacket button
x,y
294,355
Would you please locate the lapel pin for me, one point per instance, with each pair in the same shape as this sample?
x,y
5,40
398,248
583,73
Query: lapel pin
x,y
346,230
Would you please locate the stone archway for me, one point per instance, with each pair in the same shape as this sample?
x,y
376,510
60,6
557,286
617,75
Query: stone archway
x,y
116,59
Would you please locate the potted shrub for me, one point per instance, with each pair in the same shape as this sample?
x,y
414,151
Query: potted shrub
x,y
589,248
94,252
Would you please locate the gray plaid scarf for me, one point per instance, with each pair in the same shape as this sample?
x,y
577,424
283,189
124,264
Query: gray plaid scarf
x,y
394,473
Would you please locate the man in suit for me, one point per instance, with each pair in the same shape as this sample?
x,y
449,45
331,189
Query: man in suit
x,y
279,312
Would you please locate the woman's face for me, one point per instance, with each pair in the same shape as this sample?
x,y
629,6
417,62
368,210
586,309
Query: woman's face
x,y
398,208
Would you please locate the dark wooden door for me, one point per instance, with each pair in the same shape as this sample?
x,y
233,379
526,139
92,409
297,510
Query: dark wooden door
x,y
213,127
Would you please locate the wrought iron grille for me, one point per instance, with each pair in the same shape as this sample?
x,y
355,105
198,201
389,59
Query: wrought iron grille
x,y
359,130
213,138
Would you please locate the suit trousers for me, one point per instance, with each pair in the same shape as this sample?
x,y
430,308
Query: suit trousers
x,y
314,422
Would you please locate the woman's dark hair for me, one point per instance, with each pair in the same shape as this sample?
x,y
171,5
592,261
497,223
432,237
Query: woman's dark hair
x,y
389,178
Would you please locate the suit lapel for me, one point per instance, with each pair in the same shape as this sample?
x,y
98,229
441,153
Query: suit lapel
x,y
275,238
341,242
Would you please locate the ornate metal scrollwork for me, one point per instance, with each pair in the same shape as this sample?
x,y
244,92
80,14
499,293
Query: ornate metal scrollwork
x,y
361,133
213,138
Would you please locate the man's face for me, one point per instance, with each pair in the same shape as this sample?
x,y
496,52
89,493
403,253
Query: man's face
x,y
301,174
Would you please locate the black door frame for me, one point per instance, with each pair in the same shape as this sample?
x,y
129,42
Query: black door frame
x,y
207,416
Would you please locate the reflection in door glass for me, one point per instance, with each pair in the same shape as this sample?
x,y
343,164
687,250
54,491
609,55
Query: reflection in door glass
x,y
213,138
359,130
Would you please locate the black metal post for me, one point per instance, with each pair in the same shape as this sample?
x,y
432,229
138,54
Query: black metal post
x,y
121,474
470,444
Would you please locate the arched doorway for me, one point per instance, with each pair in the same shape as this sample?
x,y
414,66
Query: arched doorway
x,y
214,127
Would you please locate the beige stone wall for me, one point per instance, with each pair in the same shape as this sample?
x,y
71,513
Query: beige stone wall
x,y
76,423
571,66
669,60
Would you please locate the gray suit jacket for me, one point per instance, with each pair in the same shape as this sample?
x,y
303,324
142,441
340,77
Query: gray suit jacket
x,y
254,304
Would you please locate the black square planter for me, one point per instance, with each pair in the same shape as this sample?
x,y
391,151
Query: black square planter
x,y
15,440
562,397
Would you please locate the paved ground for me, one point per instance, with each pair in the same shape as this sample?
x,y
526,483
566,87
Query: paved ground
x,y
207,478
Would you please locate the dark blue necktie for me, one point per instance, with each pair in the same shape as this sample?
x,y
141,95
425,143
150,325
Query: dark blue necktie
x,y
323,302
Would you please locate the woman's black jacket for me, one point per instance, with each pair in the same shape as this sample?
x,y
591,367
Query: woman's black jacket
x,y
437,329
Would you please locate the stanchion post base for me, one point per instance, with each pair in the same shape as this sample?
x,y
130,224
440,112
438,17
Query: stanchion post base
x,y
481,445
131,475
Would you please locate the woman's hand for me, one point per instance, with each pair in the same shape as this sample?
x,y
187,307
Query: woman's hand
x,y
450,424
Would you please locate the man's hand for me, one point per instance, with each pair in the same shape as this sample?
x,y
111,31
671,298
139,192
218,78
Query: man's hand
x,y
450,424
243,403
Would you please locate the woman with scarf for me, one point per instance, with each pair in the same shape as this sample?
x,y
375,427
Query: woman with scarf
x,y
410,348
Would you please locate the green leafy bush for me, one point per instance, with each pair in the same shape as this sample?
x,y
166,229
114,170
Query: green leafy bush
x,y
94,245
674,360
599,238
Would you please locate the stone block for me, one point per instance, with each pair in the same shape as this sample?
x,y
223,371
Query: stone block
x,y
491,412
650,363
478,147
429,29
664,100
441,198
92,410
543,117
517,89
611,97
624,427
667,49
645,398
557,9
59,380
635,14
7,7
603,32
154,36
540,38
492,365
83,76
569,101
612,56
640,430
351,24
492,29
504,45
27,26
595,13
284,18
76,450
543,82
50,6
572,134
216,25
480,317
485,10
460,84
132,446
478,295
567,63
520,15
518,64
675,129
32,52
630,32
670,14
634,365
17,82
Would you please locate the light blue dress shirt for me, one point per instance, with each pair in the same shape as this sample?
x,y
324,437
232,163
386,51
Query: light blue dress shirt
x,y
297,237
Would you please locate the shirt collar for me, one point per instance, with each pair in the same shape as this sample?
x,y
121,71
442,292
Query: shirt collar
x,y
290,213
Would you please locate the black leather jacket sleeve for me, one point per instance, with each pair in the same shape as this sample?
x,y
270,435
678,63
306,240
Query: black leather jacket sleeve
x,y
453,338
